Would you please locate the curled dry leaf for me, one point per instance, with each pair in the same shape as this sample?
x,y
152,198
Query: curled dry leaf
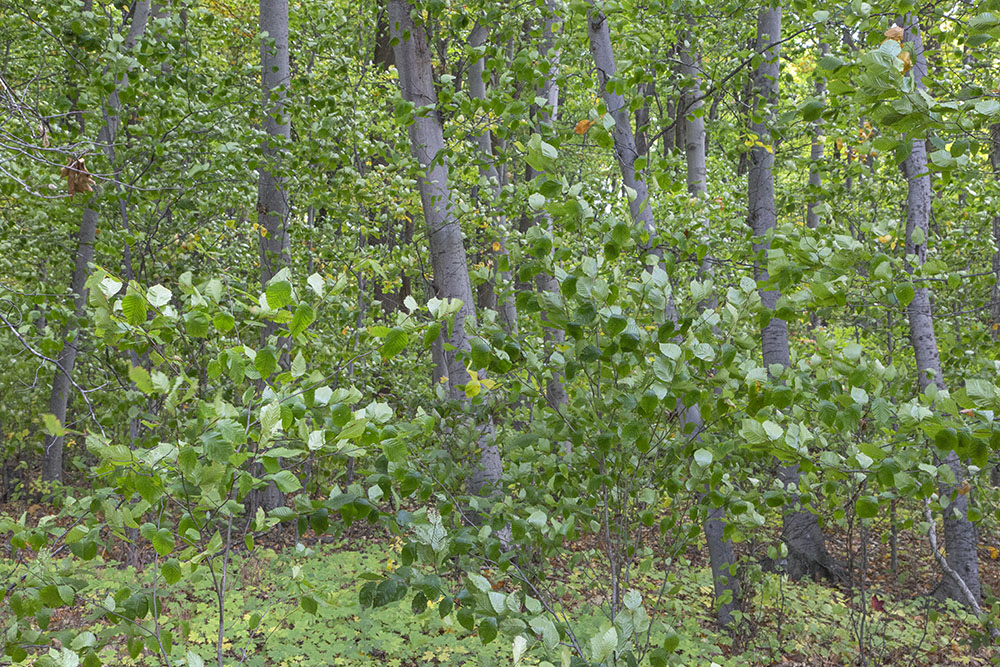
x,y
895,32
583,126
78,179
907,61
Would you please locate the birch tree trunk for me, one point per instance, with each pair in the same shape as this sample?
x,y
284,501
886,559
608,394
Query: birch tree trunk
x,y
806,544
52,454
721,552
959,532
488,171
444,233
816,152
995,292
555,390
617,107
272,197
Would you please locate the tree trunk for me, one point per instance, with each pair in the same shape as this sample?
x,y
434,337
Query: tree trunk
x,y
507,309
272,198
995,292
721,552
959,532
617,107
444,233
816,153
52,455
807,552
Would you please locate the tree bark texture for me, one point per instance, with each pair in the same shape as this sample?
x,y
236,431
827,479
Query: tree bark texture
x,y
272,198
807,552
617,106
721,552
816,153
995,292
959,532
507,308
444,233
555,390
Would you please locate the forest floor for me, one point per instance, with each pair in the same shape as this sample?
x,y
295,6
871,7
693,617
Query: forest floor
x,y
789,623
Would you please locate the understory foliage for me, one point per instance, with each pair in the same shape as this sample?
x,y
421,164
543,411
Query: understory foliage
x,y
278,467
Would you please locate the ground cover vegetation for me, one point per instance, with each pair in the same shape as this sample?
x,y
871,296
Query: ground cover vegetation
x,y
548,333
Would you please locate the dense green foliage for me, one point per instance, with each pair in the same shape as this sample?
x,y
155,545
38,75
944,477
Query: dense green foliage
x,y
197,388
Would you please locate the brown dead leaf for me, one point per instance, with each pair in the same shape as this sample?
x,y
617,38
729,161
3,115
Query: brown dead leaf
x,y
78,179
907,61
583,126
963,488
895,32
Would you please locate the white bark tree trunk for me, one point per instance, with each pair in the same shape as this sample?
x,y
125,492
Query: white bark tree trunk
x,y
488,171
806,544
959,532
617,106
816,152
721,552
444,233
272,197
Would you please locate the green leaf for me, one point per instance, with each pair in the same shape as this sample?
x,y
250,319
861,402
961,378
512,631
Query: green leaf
x,y
158,296
134,309
309,604
163,541
171,571
703,457
140,376
812,110
317,284
196,324
298,365
395,450
304,316
286,481
265,362
853,352
52,425
867,507
544,626
270,417
487,629
904,292
278,294
603,644
480,352
396,341
224,322
194,660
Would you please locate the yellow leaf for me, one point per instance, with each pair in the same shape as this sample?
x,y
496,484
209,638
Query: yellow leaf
x,y
884,239
472,388
496,246
994,552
